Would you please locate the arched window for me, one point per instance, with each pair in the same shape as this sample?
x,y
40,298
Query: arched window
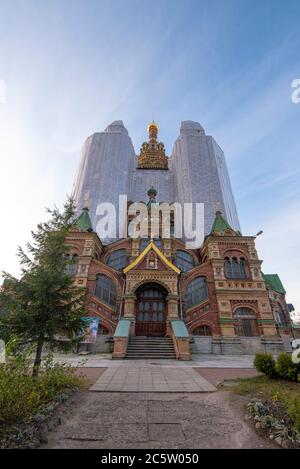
x,y
202,330
235,268
196,292
184,260
105,290
245,322
117,259
281,318
71,267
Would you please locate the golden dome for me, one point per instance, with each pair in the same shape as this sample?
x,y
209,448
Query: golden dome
x,y
152,155
152,124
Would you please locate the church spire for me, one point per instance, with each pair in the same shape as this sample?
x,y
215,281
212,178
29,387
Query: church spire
x,y
83,221
152,154
221,226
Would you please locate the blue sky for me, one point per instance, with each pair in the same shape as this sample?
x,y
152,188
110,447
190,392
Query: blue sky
x,y
72,67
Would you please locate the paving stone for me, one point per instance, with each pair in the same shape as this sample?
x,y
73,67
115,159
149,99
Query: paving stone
x,y
166,431
160,379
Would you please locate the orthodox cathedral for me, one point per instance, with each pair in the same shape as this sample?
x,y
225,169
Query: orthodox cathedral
x,y
154,297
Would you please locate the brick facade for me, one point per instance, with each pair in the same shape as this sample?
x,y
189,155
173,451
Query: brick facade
x,y
214,314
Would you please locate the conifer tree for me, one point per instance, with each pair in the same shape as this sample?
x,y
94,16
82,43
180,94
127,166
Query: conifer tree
x,y
44,303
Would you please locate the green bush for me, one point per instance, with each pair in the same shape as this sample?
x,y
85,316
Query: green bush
x,y
286,368
21,396
265,363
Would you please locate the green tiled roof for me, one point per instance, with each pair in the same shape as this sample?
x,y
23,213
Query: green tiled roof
x,y
274,282
220,224
84,221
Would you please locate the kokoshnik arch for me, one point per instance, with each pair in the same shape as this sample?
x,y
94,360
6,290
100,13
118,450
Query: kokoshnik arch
x,y
153,295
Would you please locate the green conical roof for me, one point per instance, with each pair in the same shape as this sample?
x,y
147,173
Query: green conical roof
x,y
220,225
274,282
84,221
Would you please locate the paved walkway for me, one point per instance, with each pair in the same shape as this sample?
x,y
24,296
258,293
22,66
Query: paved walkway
x,y
198,361
155,420
151,379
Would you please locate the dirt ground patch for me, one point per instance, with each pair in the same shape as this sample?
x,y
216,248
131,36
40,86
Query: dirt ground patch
x,y
217,375
155,420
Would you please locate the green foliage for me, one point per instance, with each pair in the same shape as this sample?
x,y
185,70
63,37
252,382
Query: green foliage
x,y
265,363
286,368
21,396
281,397
44,303
293,409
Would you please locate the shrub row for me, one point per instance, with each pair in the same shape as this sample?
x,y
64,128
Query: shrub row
x,y
21,396
283,368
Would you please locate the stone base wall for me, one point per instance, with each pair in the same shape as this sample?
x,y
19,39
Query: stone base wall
x,y
236,345
287,341
272,345
201,344
103,344
226,346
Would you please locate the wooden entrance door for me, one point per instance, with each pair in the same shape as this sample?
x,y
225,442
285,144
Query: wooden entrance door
x,y
151,311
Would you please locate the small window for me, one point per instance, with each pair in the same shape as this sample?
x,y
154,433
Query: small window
x,y
71,267
196,292
117,259
184,260
105,290
235,268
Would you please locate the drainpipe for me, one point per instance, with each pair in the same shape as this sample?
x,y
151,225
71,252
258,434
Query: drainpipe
x,y
181,276
122,296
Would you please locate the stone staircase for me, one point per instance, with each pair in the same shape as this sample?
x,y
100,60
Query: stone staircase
x,y
140,347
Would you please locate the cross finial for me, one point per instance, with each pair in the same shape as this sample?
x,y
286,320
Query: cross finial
x,y
86,200
153,130
218,208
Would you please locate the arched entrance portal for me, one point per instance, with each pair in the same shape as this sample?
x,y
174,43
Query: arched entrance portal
x,y
151,310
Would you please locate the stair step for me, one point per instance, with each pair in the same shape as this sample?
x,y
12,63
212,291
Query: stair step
x,y
154,350
148,355
150,338
149,345
154,347
150,350
140,347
